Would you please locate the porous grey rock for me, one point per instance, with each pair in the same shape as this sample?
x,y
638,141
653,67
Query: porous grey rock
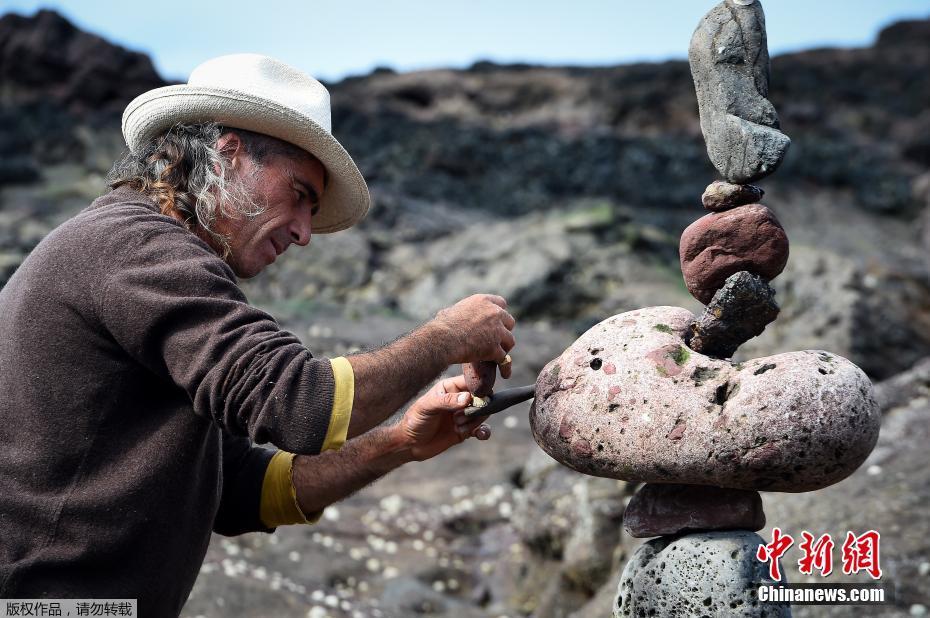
x,y
630,400
739,311
720,244
730,65
720,196
704,574
661,510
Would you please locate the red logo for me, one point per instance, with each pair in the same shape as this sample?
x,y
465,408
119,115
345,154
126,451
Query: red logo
x,y
775,550
817,554
860,553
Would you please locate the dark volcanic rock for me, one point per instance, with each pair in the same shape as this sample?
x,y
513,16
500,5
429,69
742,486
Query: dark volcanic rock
x,y
720,244
739,311
704,574
46,56
660,510
721,196
730,64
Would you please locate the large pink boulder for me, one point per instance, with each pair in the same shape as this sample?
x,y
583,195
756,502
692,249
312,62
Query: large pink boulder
x,y
629,400
720,244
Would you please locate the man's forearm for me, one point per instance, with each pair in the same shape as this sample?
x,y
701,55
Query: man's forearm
x,y
387,378
323,479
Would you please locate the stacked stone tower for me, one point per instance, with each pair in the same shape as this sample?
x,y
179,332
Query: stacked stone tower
x,y
651,395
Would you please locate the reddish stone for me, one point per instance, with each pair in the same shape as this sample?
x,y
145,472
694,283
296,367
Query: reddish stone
x,y
566,431
581,447
720,244
664,358
677,431
660,510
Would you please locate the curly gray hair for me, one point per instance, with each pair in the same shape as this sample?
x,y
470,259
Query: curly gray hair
x,y
190,179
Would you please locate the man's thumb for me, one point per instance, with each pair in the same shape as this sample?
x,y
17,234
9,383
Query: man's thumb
x,y
457,401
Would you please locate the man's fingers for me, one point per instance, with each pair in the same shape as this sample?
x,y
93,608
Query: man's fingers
x,y
482,432
454,384
507,342
506,370
445,402
465,426
497,300
508,320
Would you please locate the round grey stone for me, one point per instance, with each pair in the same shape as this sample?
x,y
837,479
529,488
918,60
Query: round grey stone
x,y
704,574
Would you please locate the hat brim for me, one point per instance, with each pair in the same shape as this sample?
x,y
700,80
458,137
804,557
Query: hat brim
x,y
346,199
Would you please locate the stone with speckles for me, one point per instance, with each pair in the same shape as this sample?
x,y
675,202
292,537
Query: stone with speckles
x,y
797,421
703,574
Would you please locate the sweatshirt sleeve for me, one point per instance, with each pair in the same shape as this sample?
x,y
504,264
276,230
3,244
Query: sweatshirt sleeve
x,y
173,305
245,467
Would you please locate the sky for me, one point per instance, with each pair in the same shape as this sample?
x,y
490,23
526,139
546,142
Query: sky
x,y
332,40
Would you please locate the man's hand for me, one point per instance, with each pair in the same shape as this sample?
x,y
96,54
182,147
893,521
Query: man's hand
x,y
430,426
436,421
478,328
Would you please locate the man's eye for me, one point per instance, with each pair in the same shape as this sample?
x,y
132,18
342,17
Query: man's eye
x,y
314,210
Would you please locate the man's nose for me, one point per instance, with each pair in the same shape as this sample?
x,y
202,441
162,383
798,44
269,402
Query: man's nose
x,y
301,229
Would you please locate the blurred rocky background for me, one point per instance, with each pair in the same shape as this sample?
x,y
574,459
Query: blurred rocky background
x,y
564,190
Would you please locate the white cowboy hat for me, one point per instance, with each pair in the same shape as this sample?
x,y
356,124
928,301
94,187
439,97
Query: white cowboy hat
x,y
264,95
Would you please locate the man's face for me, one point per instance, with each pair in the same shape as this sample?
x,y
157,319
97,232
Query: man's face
x,y
288,191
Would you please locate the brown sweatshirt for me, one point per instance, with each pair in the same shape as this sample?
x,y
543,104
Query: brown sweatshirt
x,y
126,350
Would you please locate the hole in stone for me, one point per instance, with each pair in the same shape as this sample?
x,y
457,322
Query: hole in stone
x,y
720,395
822,370
596,364
763,369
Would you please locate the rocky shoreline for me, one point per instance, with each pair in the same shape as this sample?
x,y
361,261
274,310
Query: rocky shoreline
x,y
471,194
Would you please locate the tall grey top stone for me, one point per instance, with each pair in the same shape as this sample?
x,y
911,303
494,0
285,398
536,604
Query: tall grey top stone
x,y
730,65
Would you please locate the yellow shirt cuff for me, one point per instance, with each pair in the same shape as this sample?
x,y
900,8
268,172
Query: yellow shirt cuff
x,y
279,505
343,398
279,498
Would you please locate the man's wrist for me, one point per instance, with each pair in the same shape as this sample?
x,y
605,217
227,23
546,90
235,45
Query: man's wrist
x,y
441,338
398,445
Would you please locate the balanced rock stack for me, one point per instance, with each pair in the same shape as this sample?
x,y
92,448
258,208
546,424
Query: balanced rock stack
x,y
730,65
650,395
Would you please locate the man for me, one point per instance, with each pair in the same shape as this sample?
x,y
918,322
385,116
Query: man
x,y
134,376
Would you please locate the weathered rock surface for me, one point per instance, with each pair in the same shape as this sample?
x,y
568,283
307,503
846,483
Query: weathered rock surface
x,y
720,244
46,57
661,510
739,311
630,400
720,196
730,64
704,574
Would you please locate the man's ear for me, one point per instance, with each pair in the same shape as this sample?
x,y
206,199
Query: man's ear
x,y
231,147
